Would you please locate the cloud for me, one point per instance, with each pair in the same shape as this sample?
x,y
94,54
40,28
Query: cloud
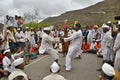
x,y
45,8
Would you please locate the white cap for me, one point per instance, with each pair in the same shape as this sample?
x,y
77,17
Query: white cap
x,y
22,40
8,31
108,69
7,50
18,28
97,40
105,26
47,28
109,22
118,22
54,67
18,62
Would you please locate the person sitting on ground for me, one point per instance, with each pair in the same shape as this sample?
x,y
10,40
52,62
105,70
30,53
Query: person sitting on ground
x,y
7,61
86,47
54,69
18,73
18,51
98,45
109,73
92,47
22,53
32,54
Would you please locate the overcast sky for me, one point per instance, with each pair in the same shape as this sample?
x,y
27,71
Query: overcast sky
x,y
46,8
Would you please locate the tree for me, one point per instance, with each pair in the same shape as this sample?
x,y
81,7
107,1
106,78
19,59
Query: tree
x,y
30,17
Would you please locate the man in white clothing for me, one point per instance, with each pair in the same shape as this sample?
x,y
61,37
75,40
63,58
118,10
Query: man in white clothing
x,y
8,59
75,45
105,43
18,35
54,68
116,48
46,44
18,73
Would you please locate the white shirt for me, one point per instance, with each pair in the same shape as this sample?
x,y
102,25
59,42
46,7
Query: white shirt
x,y
92,46
54,77
46,43
39,33
7,62
116,47
27,35
18,36
24,36
76,39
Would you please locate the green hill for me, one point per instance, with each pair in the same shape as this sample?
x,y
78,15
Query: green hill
x,y
95,14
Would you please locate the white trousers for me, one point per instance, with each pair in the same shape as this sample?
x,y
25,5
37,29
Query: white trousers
x,y
71,52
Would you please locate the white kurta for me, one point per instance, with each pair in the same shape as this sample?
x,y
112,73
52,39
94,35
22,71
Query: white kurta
x,y
7,62
54,77
46,46
92,46
18,36
105,46
74,47
16,73
32,39
116,48
90,36
27,35
39,33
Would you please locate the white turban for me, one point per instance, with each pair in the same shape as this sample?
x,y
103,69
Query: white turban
x,y
105,26
109,22
18,28
97,40
54,67
7,50
47,29
108,69
18,62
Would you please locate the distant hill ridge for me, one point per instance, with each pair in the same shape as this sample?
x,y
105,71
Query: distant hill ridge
x,y
95,14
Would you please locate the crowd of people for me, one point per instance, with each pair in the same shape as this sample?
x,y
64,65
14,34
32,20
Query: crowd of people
x,y
18,46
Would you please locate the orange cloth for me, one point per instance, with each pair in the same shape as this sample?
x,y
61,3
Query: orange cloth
x,y
86,47
95,27
98,46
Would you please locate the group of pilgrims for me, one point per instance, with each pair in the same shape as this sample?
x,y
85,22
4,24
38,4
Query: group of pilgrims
x,y
20,45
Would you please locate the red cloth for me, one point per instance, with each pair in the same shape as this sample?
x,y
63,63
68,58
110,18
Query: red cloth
x,y
65,26
1,57
20,21
32,49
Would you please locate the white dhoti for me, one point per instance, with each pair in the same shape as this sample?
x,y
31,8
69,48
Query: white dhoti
x,y
53,53
106,55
